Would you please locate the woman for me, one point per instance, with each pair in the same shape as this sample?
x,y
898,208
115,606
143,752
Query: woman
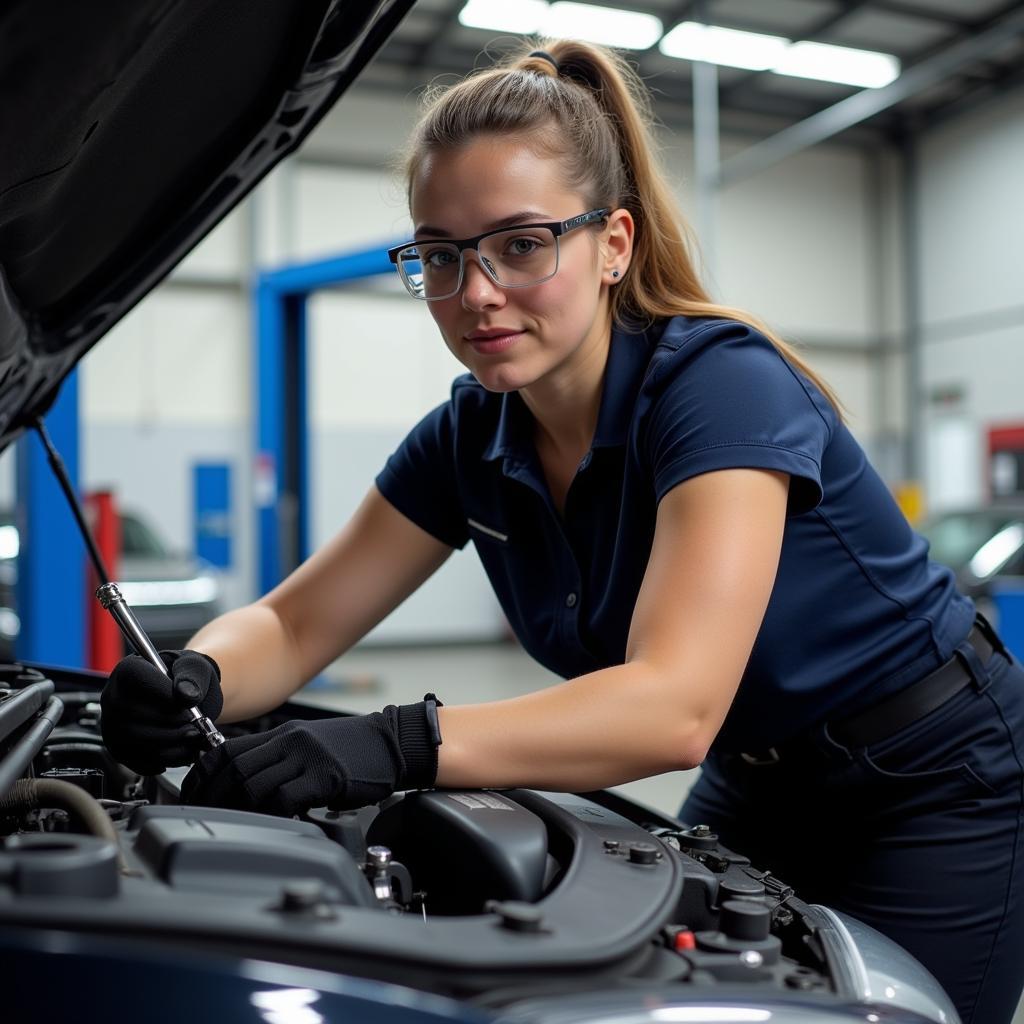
x,y
675,519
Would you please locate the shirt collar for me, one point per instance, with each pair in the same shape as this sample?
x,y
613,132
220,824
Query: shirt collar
x,y
514,433
628,356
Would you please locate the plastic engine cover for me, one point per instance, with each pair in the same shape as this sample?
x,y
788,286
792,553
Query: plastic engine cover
x,y
465,848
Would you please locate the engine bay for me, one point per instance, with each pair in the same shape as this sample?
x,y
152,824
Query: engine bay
x,y
485,896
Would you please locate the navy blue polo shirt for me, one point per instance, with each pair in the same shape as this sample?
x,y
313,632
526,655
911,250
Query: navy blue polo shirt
x,y
857,610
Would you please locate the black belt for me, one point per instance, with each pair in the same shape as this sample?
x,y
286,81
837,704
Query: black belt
x,y
888,716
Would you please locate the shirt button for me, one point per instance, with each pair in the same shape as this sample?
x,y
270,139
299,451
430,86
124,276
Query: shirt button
x,y
570,601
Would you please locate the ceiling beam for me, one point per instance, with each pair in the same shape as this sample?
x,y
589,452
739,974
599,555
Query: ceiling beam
x,y
1008,78
867,103
946,18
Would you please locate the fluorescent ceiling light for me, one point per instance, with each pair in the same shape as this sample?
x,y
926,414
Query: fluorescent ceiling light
x,y
693,41
524,16
628,30
838,64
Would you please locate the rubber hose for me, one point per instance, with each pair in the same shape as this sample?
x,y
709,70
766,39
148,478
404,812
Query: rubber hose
x,y
31,794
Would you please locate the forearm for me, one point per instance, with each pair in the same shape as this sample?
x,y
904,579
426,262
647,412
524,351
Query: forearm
x,y
598,730
257,659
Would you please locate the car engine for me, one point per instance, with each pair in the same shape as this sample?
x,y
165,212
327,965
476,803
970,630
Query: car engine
x,y
492,898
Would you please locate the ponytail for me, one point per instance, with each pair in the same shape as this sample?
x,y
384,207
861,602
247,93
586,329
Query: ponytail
x,y
586,106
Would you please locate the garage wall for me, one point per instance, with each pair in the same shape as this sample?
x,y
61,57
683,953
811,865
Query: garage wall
x,y
171,385
971,258
799,245
376,366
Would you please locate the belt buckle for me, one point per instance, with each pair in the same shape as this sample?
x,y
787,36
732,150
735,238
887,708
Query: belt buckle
x,y
761,757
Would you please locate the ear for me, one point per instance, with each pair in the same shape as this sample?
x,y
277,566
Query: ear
x,y
617,245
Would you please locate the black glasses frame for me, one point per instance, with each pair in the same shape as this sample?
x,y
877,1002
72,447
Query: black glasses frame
x,y
556,227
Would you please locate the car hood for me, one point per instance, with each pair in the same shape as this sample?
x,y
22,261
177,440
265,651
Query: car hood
x,y
129,129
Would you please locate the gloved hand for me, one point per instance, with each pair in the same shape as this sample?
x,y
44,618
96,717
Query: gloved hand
x,y
340,762
143,720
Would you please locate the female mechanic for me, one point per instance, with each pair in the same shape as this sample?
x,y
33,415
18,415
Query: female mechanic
x,y
675,519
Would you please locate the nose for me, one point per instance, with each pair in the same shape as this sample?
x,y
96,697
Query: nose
x,y
478,289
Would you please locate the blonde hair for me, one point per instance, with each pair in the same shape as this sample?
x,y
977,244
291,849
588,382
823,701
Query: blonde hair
x,y
591,111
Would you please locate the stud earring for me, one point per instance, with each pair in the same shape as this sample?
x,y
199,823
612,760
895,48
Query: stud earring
x,y
615,273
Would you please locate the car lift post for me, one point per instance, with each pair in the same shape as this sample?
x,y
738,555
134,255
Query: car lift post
x,y
281,415
51,589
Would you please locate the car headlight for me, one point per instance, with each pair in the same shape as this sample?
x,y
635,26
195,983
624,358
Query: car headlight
x,y
10,624
140,593
686,1011
9,543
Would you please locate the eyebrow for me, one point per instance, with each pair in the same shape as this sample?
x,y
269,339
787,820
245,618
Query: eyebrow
x,y
523,217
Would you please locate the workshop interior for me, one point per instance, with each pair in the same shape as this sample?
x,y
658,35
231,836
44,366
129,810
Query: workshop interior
x,y
206,357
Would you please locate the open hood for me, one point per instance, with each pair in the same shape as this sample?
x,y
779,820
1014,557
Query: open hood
x,y
129,128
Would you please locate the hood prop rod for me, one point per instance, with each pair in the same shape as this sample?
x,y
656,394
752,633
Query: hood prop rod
x,y
61,473
108,594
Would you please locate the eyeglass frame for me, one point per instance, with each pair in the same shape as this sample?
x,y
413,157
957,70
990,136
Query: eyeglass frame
x,y
556,227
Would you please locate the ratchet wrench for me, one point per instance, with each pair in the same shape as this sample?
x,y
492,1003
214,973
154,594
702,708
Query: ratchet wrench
x,y
109,596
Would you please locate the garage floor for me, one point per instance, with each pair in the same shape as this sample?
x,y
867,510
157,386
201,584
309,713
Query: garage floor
x,y
370,677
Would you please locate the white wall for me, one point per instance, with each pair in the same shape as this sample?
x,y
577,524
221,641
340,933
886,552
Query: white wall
x,y
971,256
167,388
799,245
376,367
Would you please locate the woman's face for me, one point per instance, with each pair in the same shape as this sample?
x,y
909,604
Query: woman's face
x,y
511,338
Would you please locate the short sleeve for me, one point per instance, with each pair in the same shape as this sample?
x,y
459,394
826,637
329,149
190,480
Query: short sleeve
x,y
419,478
728,399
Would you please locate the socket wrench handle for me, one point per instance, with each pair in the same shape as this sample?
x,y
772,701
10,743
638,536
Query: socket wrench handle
x,y
109,595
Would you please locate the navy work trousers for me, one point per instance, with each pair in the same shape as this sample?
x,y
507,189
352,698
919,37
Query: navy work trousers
x,y
920,835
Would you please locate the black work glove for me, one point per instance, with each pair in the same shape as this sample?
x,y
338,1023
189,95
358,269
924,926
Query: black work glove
x,y
339,762
144,721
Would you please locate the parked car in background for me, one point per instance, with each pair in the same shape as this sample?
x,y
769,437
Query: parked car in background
x,y
982,545
172,594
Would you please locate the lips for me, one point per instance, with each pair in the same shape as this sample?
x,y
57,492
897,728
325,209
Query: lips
x,y
493,339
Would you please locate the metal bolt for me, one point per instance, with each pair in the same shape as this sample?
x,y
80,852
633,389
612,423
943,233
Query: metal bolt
x,y
700,830
516,916
378,856
751,958
304,896
642,853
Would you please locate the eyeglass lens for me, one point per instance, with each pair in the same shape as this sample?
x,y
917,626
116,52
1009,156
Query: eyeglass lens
x,y
513,258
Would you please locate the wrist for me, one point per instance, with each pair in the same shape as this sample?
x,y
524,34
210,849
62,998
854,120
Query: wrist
x,y
419,736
